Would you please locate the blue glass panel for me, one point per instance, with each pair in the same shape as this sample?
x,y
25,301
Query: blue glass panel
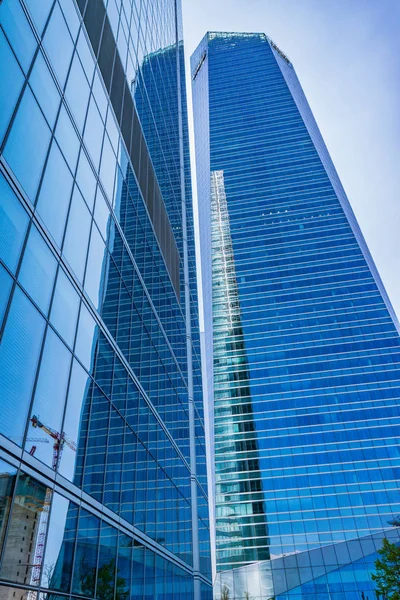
x,y
57,545
19,353
38,270
67,138
18,31
78,397
86,338
85,55
64,309
11,78
86,180
95,269
70,14
13,224
27,144
39,11
93,135
86,554
50,393
77,234
55,194
44,88
58,43
77,92
5,288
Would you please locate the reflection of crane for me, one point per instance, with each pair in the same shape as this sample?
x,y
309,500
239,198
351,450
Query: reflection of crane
x,y
59,440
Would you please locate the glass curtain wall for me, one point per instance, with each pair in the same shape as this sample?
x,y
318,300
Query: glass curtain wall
x,y
305,343
96,497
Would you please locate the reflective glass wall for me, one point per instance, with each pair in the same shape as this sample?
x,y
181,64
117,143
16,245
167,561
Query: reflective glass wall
x,y
305,343
97,472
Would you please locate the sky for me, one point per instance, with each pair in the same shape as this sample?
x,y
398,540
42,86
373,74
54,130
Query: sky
x,y
346,54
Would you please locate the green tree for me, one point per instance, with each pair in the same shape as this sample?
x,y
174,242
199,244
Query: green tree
x,y
107,579
387,575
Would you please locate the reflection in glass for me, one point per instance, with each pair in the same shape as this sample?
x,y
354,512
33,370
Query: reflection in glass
x,y
85,564
77,234
86,338
48,403
7,481
19,353
64,309
67,138
75,418
27,144
43,86
38,270
96,265
55,194
13,225
58,44
77,91
18,31
58,562
5,287
11,83
22,558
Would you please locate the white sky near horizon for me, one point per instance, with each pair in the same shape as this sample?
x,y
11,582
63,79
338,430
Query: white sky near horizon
x,y
347,56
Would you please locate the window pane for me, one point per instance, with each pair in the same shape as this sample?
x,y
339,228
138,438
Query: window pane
x,y
55,194
75,420
67,138
86,340
59,556
86,554
43,86
11,83
77,235
94,133
77,92
38,270
94,278
59,547
64,310
58,43
51,389
19,354
27,144
86,180
29,516
13,224
39,11
7,482
18,31
70,14
5,288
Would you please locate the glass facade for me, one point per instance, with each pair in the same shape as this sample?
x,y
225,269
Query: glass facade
x,y
103,488
305,345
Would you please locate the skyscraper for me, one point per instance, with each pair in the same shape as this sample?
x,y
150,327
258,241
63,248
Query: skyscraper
x,y
305,344
103,469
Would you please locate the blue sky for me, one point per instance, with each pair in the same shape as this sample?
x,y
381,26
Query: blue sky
x,y
347,56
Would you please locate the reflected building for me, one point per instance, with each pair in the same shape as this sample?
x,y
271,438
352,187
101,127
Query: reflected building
x,y
305,346
102,438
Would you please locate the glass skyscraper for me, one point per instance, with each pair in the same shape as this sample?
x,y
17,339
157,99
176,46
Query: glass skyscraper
x,y
305,346
103,487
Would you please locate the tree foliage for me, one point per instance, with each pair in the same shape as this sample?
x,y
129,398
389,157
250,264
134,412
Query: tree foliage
x,y
387,575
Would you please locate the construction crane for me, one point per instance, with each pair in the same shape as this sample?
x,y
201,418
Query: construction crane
x,y
59,440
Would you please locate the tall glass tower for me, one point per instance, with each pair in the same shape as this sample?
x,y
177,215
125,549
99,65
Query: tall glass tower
x,y
103,489
305,346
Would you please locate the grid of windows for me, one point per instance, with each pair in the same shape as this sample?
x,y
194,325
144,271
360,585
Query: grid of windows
x,y
306,353
93,357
